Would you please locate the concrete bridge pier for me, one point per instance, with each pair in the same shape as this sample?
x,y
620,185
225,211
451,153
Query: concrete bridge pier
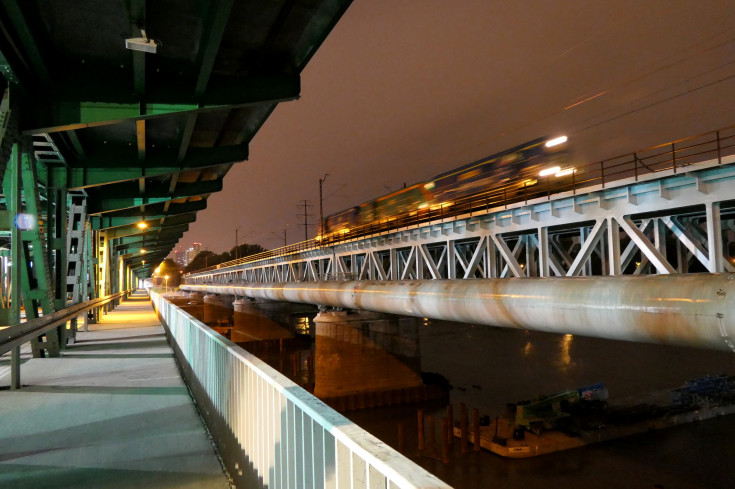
x,y
348,345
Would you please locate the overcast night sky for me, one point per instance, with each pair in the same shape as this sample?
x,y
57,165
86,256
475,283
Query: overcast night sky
x,y
403,90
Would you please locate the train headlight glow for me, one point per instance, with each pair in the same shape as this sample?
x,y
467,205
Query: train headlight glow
x,y
565,172
549,171
556,141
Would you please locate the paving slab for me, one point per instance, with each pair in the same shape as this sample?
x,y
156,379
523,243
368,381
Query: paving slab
x,y
111,412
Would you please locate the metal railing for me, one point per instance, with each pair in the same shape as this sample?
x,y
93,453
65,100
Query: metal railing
x,y
290,438
672,156
18,334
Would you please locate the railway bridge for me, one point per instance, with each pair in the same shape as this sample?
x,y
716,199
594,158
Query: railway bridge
x,y
638,247
119,120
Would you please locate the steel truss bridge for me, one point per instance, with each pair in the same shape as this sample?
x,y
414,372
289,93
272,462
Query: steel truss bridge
x,y
678,219
631,258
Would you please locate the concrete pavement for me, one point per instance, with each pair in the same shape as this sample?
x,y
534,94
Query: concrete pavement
x,y
112,412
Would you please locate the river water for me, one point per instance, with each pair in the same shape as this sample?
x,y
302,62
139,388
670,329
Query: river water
x,y
486,368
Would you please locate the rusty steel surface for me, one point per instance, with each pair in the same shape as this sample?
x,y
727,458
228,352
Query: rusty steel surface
x,y
695,310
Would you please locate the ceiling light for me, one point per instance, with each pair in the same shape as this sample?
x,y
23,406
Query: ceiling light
x,y
142,44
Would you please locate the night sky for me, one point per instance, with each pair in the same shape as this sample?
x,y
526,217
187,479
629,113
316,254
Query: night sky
x,y
403,90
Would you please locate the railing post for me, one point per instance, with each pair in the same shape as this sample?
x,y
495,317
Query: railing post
x,y
673,156
602,173
635,165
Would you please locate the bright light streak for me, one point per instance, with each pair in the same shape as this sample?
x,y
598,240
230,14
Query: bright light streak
x,y
565,172
549,171
556,141
142,225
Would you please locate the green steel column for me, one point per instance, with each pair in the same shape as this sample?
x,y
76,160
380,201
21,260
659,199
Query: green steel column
x,y
11,184
91,265
37,287
56,219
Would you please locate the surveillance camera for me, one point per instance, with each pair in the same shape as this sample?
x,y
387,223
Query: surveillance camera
x,y
141,44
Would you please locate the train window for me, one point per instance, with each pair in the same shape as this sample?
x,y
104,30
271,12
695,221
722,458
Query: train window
x,y
509,158
469,174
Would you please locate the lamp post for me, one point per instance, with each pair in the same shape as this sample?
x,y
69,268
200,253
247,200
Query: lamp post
x,y
321,207
237,254
166,277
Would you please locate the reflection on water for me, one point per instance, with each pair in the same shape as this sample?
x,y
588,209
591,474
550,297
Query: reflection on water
x,y
565,345
489,367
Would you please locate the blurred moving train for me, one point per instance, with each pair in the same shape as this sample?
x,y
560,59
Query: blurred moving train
x,y
514,168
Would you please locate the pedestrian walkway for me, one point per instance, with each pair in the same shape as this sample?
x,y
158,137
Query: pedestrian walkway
x,y
112,412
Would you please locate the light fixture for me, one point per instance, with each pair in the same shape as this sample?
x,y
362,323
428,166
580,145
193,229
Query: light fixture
x,y
142,44
142,225
142,250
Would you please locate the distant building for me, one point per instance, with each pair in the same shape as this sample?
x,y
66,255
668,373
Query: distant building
x,y
191,253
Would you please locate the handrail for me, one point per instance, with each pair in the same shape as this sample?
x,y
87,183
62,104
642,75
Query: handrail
x,y
668,156
291,439
20,333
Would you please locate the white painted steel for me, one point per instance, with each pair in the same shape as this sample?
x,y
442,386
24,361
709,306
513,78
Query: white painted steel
x,y
568,231
292,439
680,309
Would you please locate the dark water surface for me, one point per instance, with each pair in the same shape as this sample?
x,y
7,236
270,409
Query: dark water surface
x,y
488,367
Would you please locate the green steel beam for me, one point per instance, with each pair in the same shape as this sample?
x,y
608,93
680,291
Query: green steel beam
x,y
214,30
101,204
157,189
76,111
153,211
114,167
145,234
28,50
155,246
102,222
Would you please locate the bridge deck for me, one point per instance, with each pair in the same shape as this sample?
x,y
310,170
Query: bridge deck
x,y
112,412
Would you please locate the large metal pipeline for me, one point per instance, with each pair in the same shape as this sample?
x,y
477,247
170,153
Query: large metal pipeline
x,y
686,309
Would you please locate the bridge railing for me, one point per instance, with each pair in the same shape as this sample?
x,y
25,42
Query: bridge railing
x,y
672,156
288,437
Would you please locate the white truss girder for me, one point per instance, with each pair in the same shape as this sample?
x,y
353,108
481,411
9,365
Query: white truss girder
x,y
675,224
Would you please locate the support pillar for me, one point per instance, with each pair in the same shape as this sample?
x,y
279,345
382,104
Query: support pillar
x,y
714,238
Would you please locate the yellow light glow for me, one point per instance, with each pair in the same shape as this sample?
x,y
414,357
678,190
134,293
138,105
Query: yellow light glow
x,y
565,172
429,186
556,141
142,225
142,251
440,205
549,171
